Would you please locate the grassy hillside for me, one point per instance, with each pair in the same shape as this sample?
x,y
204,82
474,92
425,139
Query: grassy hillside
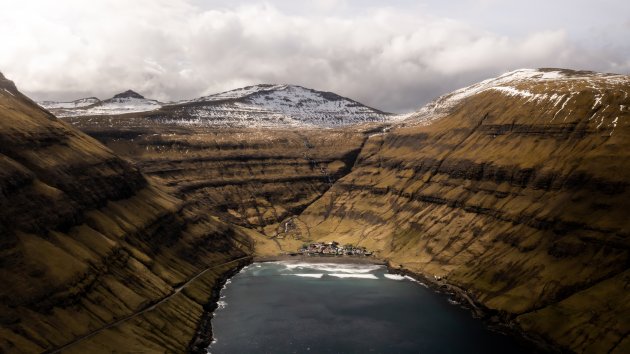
x,y
523,202
258,179
86,240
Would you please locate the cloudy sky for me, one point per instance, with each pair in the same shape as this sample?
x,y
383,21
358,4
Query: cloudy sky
x,y
394,55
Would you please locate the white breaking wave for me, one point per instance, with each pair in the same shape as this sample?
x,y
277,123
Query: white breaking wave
x,y
416,281
307,275
394,276
221,304
360,276
332,267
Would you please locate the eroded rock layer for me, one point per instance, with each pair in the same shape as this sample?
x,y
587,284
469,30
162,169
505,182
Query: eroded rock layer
x,y
255,178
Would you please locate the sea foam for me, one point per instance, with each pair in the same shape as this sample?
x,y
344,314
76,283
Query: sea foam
x,y
394,276
346,275
331,267
308,275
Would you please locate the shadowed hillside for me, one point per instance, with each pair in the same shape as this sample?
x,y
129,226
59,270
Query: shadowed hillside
x,y
87,241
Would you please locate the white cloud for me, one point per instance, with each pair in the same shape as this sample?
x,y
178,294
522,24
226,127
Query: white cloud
x,y
385,57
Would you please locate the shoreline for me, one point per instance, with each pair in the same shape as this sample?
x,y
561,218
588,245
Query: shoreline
x,y
203,334
321,259
497,321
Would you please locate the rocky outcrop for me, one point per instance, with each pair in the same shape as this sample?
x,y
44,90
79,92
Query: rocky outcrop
x,y
88,245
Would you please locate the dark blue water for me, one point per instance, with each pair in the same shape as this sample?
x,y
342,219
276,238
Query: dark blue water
x,y
290,307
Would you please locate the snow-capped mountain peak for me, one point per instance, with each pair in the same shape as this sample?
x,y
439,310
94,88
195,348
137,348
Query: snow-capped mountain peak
x,y
263,105
546,85
237,93
82,102
272,106
124,102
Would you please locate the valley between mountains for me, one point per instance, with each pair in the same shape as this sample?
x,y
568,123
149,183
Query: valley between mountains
x,y
513,190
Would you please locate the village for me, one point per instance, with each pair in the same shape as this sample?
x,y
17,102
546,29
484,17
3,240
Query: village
x,y
332,249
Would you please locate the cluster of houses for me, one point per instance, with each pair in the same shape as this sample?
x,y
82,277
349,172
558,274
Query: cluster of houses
x,y
332,249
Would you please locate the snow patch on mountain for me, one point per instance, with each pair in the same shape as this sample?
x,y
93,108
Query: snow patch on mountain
x,y
83,102
122,106
235,94
252,106
273,106
125,102
521,84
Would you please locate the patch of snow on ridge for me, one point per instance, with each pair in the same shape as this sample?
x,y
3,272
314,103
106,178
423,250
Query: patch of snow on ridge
x,y
511,91
235,94
614,124
275,105
93,106
552,75
124,105
252,106
511,84
83,102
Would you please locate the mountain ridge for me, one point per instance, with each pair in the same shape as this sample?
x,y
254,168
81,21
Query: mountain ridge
x,y
263,105
526,83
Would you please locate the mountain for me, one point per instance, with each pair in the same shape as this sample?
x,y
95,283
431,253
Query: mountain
x,y
93,255
515,196
54,106
122,103
274,106
128,94
556,89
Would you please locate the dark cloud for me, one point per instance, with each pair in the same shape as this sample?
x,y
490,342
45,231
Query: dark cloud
x,y
391,58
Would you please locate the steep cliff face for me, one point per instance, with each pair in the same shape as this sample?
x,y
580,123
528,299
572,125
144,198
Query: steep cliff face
x,y
518,193
86,241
